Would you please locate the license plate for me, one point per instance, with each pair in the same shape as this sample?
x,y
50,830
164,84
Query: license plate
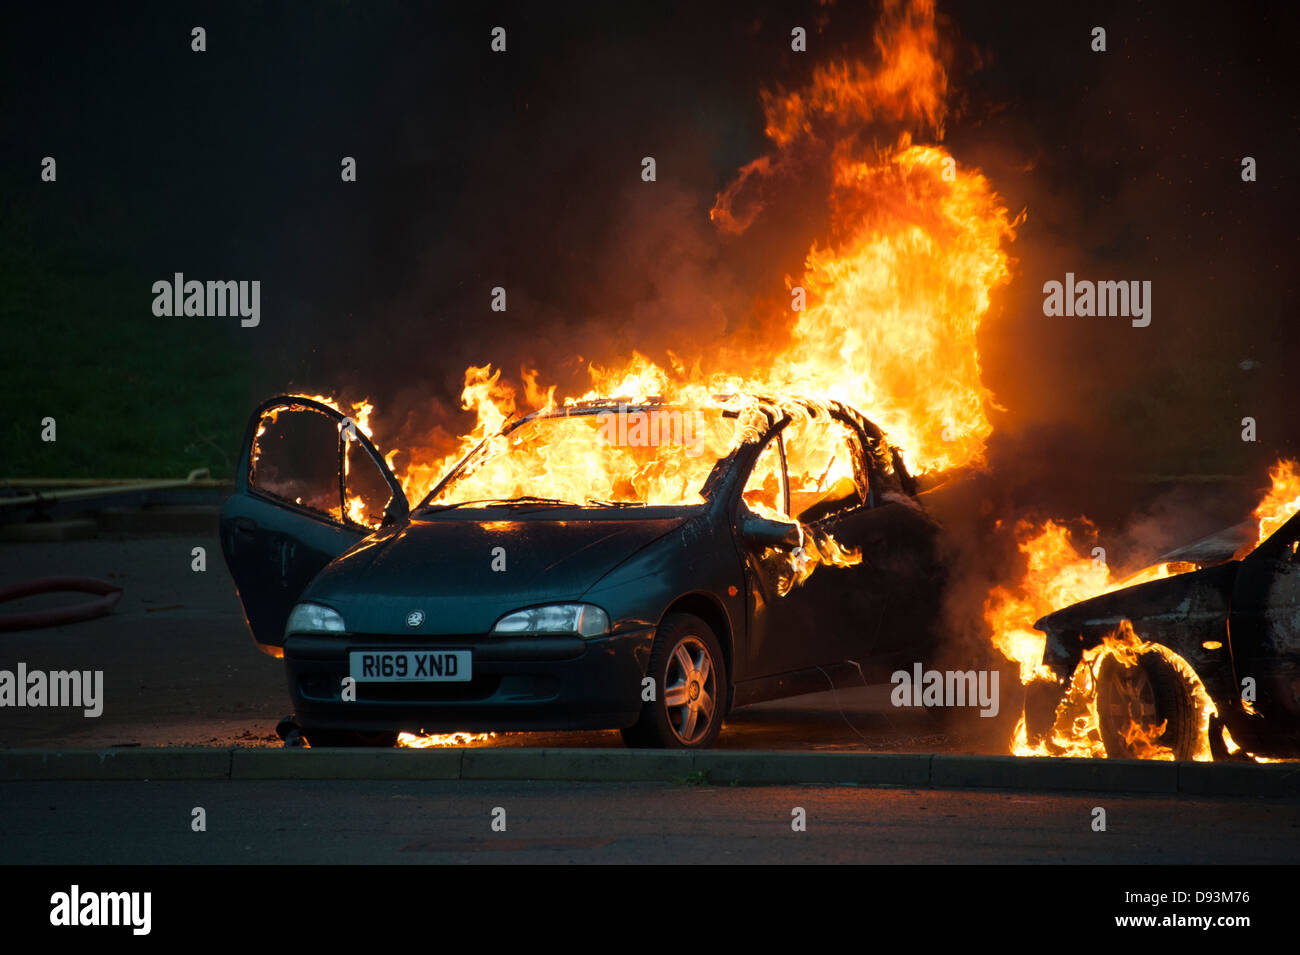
x,y
410,666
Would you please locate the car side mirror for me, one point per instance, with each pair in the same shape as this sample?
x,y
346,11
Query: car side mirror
x,y
762,532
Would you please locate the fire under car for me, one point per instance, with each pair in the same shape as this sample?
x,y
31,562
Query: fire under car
x,y
1228,622
641,567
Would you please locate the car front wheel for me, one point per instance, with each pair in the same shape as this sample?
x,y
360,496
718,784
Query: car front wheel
x,y
690,687
1144,707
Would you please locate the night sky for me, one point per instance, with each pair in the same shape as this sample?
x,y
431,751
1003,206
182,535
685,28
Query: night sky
x,y
522,169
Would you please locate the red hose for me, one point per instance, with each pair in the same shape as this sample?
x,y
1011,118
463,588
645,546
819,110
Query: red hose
x,y
110,594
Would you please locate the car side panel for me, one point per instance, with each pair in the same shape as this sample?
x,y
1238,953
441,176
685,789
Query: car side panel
x,y
696,559
882,611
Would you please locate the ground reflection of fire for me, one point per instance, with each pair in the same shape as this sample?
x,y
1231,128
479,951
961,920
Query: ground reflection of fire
x,y
437,740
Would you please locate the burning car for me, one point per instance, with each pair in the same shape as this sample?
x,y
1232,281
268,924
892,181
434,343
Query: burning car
x,y
719,553
1211,644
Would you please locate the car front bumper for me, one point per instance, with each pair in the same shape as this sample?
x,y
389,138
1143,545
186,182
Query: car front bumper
x,y
518,684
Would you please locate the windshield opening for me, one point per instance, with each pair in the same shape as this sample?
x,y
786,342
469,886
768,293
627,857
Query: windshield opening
x,y
621,457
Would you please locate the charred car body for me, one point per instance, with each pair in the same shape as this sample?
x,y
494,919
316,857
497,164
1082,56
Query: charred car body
x,y
1235,622
778,546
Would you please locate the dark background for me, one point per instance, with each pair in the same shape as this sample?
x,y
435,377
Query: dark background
x,y
522,169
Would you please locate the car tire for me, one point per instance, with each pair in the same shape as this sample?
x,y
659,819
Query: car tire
x,y
349,738
1146,693
689,674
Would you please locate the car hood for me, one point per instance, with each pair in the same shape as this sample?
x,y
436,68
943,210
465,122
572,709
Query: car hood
x,y
1169,598
466,572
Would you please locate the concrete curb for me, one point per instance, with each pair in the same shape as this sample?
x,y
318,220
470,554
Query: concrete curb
x,y
717,767
114,764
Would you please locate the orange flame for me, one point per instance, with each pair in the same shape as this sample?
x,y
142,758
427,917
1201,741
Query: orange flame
x,y
1282,500
1056,576
886,313
895,296
440,740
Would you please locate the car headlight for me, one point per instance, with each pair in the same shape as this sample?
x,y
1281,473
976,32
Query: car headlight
x,y
585,620
314,618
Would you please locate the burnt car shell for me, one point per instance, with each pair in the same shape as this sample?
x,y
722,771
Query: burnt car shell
x,y
1230,621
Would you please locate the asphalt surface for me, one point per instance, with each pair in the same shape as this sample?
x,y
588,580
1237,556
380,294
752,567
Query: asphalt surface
x,y
645,823
180,669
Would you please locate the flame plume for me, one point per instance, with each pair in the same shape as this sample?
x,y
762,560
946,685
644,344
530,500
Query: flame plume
x,y
896,293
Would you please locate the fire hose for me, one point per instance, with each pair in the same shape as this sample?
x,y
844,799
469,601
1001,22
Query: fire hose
x,y
108,596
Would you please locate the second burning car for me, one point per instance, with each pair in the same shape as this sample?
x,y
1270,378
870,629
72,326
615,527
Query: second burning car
x,y
1228,623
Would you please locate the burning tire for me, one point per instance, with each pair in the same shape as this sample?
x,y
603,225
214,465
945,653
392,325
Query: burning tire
x,y
1145,707
690,678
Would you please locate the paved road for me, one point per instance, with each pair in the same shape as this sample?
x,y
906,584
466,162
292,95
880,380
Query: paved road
x,y
176,670
437,822
181,670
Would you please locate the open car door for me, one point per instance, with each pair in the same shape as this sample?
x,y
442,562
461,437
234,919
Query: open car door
x,y
309,484
874,608
814,472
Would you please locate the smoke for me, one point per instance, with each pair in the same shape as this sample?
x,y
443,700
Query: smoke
x,y
1131,170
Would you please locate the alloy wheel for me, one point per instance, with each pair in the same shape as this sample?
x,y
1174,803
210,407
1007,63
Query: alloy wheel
x,y
690,690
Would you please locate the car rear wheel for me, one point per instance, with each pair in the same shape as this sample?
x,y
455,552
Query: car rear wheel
x,y
1134,701
690,682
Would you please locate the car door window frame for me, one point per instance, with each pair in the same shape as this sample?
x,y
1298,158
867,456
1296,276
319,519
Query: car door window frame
x,y
773,439
862,476
343,425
